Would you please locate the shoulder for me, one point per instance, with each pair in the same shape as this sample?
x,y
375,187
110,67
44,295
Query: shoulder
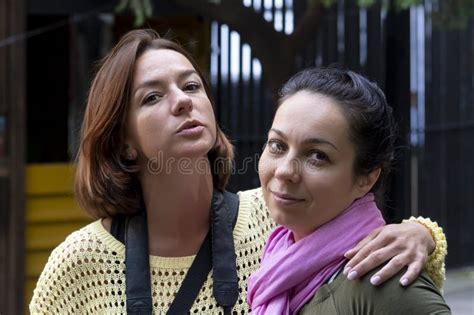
x,y
253,213
421,297
252,201
251,196
93,238
83,256
361,297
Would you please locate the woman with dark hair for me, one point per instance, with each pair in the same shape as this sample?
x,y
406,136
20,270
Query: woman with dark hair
x,y
152,168
320,179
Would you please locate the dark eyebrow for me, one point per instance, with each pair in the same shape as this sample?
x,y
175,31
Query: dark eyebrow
x,y
155,82
308,140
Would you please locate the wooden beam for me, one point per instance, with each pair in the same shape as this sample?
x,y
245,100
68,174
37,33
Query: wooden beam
x,y
13,106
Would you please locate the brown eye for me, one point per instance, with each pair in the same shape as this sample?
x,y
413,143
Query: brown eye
x,y
151,98
317,158
192,86
275,147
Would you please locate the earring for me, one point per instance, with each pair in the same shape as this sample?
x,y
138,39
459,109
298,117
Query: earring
x,y
130,154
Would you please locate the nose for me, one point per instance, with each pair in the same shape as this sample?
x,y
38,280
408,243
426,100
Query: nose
x,y
181,102
288,170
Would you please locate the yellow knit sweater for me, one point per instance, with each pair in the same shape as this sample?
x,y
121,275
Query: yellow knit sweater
x,y
85,274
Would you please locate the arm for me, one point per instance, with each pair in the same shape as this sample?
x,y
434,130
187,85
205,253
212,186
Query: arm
x,y
49,295
417,243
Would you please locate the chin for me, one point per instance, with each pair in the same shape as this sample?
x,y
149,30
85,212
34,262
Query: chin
x,y
280,217
199,148
291,221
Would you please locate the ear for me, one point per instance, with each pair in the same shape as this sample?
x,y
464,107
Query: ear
x,y
130,153
364,183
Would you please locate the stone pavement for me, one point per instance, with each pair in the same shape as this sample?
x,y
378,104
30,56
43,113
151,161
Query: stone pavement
x,y
459,290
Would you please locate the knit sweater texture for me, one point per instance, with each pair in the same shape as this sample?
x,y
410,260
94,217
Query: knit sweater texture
x,y
86,273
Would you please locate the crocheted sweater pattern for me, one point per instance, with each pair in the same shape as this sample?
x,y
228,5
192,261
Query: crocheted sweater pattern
x,y
86,273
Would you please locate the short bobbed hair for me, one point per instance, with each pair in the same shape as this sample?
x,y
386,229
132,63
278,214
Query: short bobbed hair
x,y
106,183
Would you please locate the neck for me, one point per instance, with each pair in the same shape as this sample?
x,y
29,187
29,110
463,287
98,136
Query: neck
x,y
177,207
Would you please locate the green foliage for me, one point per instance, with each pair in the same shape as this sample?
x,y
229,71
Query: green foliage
x,y
365,3
398,4
405,4
447,13
452,14
142,9
395,4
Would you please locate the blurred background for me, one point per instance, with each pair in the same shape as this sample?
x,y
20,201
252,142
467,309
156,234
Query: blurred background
x,y
420,52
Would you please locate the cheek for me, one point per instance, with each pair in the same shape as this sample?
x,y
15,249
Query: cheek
x,y
332,191
265,169
150,132
336,183
148,125
210,118
133,130
213,124
322,188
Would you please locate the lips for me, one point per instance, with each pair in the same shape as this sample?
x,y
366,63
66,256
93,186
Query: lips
x,y
285,198
189,124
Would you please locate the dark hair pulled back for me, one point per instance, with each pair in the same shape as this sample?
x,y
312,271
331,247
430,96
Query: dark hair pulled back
x,y
372,127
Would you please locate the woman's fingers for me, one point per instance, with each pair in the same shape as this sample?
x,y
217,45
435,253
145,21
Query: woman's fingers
x,y
370,262
413,271
398,246
353,251
362,259
395,265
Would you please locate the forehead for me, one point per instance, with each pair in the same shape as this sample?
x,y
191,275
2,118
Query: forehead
x,y
161,62
307,115
308,109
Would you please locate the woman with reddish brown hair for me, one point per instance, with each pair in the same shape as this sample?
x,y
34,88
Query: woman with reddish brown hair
x,y
152,168
106,169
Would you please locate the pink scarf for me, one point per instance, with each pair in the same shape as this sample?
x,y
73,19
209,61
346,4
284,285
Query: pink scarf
x,y
290,273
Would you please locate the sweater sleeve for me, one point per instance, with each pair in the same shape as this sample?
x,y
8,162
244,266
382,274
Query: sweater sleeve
x,y
435,266
51,293
83,275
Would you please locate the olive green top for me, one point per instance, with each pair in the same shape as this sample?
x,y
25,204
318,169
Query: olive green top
x,y
342,296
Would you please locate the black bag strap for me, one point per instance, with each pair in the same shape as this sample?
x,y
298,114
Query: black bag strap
x,y
192,283
232,201
217,252
137,262
223,218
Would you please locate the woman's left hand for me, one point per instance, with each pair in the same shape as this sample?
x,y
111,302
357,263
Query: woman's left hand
x,y
404,244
